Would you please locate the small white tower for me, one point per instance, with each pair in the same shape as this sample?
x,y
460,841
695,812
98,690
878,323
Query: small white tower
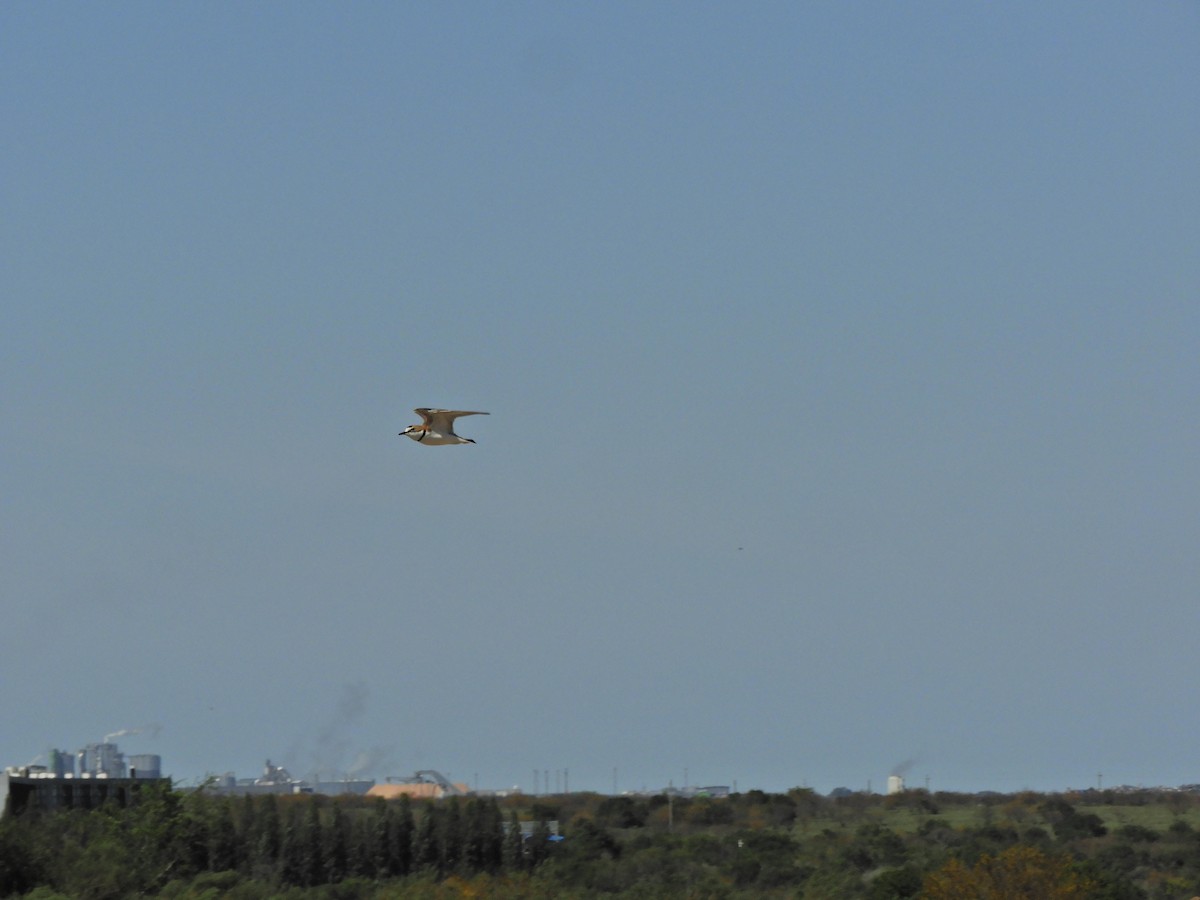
x,y
895,784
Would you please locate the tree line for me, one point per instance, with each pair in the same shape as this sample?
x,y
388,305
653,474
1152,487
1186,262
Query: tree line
x,y
191,844
289,841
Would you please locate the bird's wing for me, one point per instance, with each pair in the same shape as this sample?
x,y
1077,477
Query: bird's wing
x,y
442,420
455,413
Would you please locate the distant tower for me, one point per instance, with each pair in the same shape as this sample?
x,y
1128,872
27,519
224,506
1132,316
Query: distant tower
x,y
62,763
145,765
101,760
895,784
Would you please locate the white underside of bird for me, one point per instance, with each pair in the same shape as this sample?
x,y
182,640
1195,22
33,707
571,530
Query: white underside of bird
x,y
437,426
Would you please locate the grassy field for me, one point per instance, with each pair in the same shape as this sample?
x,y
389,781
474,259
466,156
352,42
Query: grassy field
x,y
1158,816
1156,812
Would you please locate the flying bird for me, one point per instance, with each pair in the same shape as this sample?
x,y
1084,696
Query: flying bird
x,y
437,426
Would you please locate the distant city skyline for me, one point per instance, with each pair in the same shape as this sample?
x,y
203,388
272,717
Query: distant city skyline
x,y
107,752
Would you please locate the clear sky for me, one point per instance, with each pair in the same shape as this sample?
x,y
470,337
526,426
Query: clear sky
x,y
842,362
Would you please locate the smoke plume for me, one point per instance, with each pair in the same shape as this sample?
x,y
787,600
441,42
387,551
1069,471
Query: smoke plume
x,y
152,730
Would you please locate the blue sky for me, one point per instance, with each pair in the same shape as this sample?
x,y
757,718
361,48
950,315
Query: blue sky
x,y
841,361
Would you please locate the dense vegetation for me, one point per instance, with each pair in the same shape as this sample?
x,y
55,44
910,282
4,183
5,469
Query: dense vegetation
x,y
1111,846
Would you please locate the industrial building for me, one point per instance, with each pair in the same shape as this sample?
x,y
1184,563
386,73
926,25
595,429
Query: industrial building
x,y
424,785
91,777
278,780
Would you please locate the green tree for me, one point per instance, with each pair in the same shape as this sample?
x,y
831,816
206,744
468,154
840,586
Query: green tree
x,y
493,847
402,840
362,846
383,849
106,869
20,869
872,846
1069,824
514,849
425,840
765,858
223,843
291,853
621,812
269,832
709,811
337,841
247,833
473,837
539,843
312,862
895,884
450,837
1080,825
1137,833
807,805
